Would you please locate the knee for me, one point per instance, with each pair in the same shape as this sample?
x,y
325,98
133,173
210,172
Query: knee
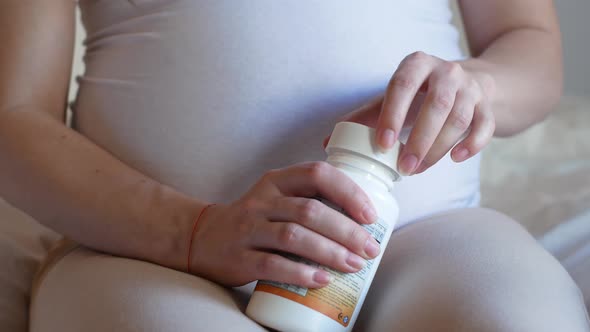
x,y
513,283
88,291
481,271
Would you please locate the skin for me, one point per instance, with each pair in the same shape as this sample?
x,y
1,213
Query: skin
x,y
77,188
513,82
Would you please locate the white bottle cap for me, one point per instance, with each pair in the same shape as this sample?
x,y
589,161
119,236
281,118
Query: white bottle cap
x,y
360,139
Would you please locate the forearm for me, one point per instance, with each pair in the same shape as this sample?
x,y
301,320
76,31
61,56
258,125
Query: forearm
x,y
517,44
525,65
74,187
58,176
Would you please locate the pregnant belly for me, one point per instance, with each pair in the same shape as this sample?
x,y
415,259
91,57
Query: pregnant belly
x,y
207,96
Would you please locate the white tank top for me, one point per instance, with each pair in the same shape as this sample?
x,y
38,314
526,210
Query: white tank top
x,y
205,96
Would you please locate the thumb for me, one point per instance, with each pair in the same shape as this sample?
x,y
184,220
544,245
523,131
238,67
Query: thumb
x,y
326,140
367,114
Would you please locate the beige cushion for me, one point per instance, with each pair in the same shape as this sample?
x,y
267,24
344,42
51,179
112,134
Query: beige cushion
x,y
23,243
541,177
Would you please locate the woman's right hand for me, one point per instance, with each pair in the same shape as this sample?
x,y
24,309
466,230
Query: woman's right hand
x,y
239,243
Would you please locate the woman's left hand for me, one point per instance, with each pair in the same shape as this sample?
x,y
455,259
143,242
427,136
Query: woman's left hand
x,y
443,101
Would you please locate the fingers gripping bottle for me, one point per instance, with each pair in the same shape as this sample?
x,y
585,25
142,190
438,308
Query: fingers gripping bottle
x,y
334,308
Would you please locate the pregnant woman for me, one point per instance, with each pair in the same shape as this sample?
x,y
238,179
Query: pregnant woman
x,y
188,103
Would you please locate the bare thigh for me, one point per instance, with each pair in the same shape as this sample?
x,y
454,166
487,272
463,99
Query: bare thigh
x,y
90,291
470,270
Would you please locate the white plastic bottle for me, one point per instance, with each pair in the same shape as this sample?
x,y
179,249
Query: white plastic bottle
x,y
334,308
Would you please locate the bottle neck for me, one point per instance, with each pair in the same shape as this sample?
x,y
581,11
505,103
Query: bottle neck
x,y
376,171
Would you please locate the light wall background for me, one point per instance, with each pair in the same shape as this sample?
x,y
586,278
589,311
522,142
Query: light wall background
x,y
575,27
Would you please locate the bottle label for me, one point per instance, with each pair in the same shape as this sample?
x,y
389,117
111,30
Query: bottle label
x,y
339,299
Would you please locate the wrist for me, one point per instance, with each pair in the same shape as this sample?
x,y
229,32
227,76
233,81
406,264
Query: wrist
x,y
487,76
170,245
481,71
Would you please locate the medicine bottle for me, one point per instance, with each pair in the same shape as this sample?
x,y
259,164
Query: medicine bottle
x,y
335,307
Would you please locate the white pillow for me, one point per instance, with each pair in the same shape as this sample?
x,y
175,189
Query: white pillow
x,y
23,244
570,243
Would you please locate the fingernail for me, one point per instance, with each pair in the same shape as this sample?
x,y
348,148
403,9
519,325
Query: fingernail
x,y
372,247
369,214
421,168
354,261
460,154
408,164
387,138
322,277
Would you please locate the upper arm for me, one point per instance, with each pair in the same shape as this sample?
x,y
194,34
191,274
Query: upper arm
x,y
37,38
486,20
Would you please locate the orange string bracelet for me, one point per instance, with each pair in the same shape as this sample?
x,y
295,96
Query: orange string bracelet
x,y
190,243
